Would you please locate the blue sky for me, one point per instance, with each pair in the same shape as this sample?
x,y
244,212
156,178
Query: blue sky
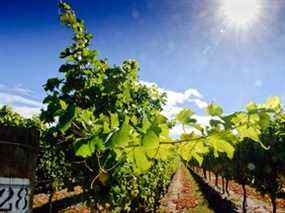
x,y
181,46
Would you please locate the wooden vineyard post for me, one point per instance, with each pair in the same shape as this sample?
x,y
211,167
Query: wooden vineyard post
x,y
18,155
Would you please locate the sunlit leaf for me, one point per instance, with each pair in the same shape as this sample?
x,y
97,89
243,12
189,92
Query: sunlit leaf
x,y
140,160
248,132
150,140
184,116
114,121
86,147
219,144
198,158
214,110
273,103
121,137
145,124
251,106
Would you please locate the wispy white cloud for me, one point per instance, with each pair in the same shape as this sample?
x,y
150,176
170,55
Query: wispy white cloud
x,y
20,89
175,102
27,111
13,99
203,119
149,84
171,110
181,97
176,99
200,103
178,130
20,99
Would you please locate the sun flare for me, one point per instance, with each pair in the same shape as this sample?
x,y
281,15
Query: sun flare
x,y
240,14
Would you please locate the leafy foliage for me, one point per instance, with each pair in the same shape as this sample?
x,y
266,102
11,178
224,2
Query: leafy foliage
x,y
141,193
257,148
10,118
103,112
51,169
101,116
104,129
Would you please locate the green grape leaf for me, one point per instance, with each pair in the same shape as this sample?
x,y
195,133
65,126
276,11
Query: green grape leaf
x,y
121,137
214,110
273,103
145,125
165,151
86,147
150,140
228,149
184,116
249,132
164,130
198,158
65,121
114,121
239,118
201,148
186,136
185,150
253,119
106,128
52,83
63,104
219,144
251,107
140,160
160,119
264,119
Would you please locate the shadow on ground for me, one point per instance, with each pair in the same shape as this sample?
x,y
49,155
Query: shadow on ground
x,y
58,205
215,200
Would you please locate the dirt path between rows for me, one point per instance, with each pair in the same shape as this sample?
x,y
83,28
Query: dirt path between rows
x,y
179,197
254,205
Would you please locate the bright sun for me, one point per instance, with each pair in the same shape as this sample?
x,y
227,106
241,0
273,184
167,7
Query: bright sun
x,y
240,14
